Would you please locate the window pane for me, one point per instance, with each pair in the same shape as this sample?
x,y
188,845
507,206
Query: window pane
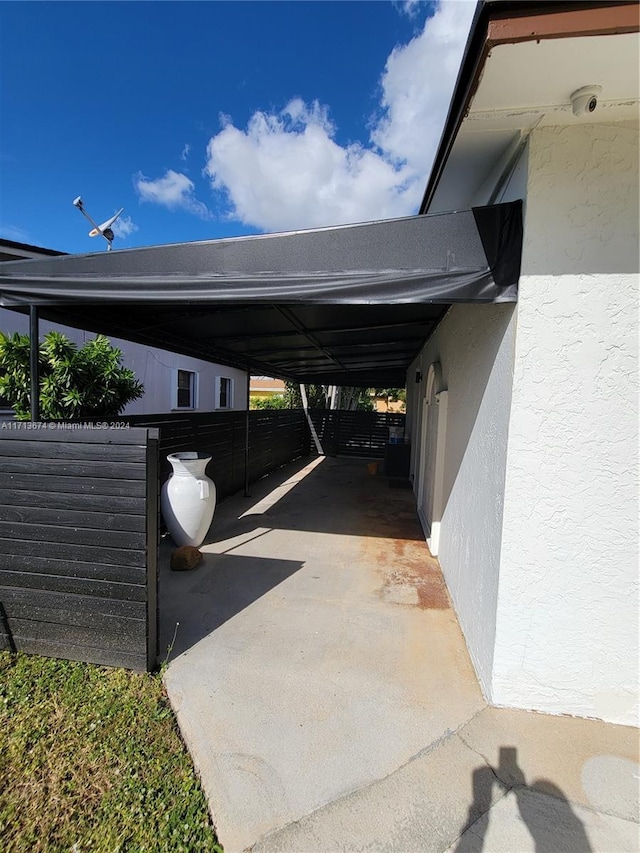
x,y
184,379
225,393
185,389
184,398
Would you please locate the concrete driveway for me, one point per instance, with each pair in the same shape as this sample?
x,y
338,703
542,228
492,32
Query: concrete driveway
x,y
324,689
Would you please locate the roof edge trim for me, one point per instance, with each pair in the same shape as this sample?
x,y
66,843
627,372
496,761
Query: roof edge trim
x,y
502,22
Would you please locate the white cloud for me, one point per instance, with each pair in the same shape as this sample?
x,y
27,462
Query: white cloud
x,y
173,190
416,87
286,171
123,227
185,151
410,8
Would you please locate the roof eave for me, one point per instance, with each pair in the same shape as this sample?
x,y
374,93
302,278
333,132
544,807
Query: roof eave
x,y
490,28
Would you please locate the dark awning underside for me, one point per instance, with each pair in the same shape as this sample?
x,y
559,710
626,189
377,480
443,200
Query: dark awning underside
x,y
351,305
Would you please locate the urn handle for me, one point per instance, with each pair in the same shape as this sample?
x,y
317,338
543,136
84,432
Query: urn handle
x,y
204,490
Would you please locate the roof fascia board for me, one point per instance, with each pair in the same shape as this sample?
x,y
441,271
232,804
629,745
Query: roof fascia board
x,y
498,23
601,21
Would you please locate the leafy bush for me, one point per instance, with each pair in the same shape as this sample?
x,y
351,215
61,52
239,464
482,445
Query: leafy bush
x,y
74,383
274,401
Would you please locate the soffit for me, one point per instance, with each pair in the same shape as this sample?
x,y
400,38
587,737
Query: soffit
x,y
527,85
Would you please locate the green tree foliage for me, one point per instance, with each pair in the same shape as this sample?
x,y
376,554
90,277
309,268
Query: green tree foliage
x,y
74,383
316,396
353,398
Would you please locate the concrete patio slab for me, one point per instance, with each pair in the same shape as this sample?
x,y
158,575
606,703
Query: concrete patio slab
x,y
323,687
420,808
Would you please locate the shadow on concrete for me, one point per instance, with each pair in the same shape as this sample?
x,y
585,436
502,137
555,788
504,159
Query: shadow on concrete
x,y
545,810
195,605
338,496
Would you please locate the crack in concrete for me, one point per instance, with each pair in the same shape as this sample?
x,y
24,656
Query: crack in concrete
x,y
507,787
438,742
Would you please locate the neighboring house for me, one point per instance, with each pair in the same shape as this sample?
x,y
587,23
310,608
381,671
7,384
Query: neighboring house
x,y
172,382
265,386
524,418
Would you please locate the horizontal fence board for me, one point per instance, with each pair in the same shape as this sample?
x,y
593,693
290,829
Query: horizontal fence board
x,y
72,518
74,485
86,654
83,610
73,569
83,501
77,586
80,553
72,468
57,632
72,535
56,431
72,450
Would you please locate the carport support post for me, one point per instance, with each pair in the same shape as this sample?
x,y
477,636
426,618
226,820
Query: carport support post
x,y
246,437
34,340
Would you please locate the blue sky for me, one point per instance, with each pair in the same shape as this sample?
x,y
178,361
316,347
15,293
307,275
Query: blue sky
x,y
212,119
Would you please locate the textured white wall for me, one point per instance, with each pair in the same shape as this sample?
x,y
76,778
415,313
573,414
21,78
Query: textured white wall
x,y
567,622
474,344
152,366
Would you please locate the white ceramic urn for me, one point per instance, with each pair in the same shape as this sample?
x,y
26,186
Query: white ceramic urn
x,y
188,498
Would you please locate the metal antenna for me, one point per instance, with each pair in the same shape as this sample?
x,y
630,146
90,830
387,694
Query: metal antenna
x,y
105,229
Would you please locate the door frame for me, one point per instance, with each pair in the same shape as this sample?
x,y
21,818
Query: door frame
x,y
431,471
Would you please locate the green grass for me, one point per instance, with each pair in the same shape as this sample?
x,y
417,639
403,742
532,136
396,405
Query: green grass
x,y
91,760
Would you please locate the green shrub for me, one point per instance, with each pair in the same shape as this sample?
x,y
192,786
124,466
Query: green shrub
x,y
273,401
74,383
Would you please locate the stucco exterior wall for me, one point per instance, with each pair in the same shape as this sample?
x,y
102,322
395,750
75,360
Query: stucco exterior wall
x,y
153,367
474,344
567,618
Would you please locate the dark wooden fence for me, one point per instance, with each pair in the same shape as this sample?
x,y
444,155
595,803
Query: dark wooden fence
x,y
275,438
345,433
79,516
78,543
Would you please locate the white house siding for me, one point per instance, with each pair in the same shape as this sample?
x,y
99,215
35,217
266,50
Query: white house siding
x,y
474,344
153,367
567,619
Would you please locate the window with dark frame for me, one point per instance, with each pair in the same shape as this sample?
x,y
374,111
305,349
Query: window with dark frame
x,y
225,400
185,389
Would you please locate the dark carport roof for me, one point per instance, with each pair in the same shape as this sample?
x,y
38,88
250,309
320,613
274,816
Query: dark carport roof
x,y
350,305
